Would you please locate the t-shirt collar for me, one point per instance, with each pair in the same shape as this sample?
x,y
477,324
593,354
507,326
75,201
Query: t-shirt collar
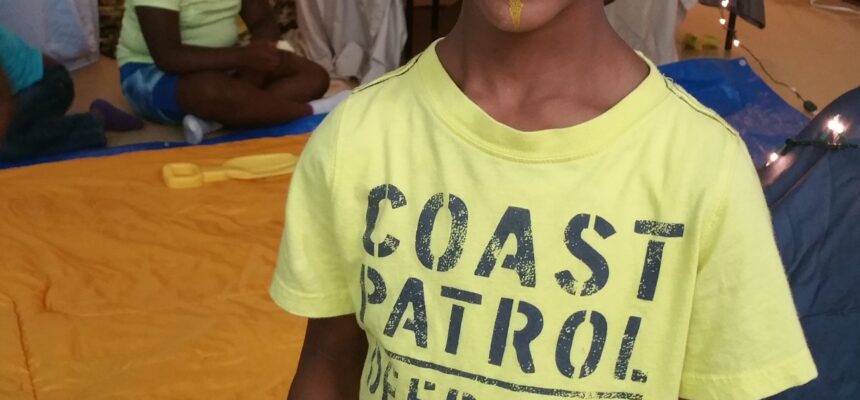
x,y
469,121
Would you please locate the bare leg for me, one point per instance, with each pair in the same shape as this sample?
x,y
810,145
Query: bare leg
x,y
299,79
217,96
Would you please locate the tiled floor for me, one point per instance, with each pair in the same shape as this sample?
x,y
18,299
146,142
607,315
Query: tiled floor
x,y
818,52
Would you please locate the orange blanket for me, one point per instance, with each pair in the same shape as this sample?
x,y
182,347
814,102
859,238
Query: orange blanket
x,y
113,286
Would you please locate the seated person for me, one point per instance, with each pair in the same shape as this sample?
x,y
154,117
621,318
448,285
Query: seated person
x,y
179,63
35,94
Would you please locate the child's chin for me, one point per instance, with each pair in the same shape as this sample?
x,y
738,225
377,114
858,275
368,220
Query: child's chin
x,y
534,15
525,26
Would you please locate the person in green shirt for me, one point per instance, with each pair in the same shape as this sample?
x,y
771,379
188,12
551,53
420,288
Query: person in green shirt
x,y
180,63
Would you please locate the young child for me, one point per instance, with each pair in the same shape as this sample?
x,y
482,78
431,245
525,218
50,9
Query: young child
x,y
529,210
36,92
179,61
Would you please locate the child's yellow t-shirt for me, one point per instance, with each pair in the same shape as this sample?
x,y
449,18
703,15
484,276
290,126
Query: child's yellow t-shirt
x,y
628,257
205,23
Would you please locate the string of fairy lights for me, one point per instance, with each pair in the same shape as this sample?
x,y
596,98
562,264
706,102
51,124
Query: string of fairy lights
x,y
723,21
832,136
808,105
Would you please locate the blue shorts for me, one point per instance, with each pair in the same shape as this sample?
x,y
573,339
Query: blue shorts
x,y
151,92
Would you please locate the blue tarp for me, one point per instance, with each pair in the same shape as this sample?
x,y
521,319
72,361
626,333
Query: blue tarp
x,y
299,126
814,197
729,87
733,90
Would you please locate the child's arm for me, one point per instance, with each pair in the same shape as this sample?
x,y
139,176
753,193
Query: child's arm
x,y
258,17
332,360
161,31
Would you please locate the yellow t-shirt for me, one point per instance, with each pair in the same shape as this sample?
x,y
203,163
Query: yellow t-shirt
x,y
628,257
205,23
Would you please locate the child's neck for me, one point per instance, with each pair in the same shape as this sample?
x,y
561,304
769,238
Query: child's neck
x,y
566,72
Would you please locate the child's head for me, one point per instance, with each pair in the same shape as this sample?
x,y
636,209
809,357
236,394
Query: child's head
x,y
526,15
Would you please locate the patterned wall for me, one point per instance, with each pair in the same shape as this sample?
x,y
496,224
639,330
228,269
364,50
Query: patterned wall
x,y
110,21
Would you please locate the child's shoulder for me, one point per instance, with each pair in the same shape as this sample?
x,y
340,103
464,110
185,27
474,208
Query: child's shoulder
x,y
697,146
699,129
372,105
691,111
391,78
391,89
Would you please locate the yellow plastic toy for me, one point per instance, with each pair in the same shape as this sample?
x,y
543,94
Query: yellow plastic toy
x,y
185,175
710,42
691,42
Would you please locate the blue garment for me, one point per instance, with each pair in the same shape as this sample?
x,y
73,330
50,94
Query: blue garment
x,y
813,194
21,62
40,126
151,92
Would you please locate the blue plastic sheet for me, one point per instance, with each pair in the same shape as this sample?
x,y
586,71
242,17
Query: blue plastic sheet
x,y
735,92
299,126
729,87
814,197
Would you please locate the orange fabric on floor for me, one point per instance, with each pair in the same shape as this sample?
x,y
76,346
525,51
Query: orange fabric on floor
x,y
113,286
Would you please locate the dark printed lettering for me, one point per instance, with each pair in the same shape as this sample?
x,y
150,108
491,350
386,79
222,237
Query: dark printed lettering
x,y
454,394
412,294
457,312
654,254
513,387
500,331
517,222
413,389
626,351
587,254
659,229
389,386
379,293
373,382
374,198
522,338
639,376
456,239
565,344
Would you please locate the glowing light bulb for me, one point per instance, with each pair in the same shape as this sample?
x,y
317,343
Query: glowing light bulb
x,y
772,159
725,3
736,43
722,21
836,126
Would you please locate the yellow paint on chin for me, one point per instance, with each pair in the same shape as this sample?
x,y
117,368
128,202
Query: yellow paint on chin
x,y
516,9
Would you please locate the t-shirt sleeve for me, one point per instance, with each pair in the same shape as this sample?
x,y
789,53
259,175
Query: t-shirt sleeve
x,y
172,5
745,340
309,279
